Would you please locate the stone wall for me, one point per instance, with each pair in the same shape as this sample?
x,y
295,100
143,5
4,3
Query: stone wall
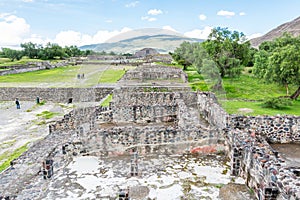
x,y
55,94
148,139
143,106
155,72
31,66
78,120
276,129
211,110
263,168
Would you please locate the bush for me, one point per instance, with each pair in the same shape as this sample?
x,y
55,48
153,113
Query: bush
x,y
277,103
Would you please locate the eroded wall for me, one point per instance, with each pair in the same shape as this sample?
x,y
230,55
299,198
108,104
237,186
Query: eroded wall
x,y
62,95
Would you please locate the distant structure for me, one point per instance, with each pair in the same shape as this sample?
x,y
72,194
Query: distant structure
x,y
145,52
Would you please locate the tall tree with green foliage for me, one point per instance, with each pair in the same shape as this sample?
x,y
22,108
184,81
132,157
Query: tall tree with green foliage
x,y
278,61
229,50
184,54
12,54
30,49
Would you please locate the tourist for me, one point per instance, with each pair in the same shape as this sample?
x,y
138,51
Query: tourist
x,y
18,103
37,100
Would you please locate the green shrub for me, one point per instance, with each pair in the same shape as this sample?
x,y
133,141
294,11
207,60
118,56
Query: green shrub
x,y
277,103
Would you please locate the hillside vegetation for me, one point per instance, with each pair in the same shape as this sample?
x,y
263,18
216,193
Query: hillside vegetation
x,y
246,94
246,80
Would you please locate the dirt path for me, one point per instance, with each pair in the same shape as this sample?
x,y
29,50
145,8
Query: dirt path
x,y
21,126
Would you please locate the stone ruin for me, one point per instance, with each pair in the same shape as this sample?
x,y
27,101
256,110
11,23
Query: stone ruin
x,y
31,66
159,119
153,74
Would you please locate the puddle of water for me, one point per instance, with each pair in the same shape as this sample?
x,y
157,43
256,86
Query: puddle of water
x,y
290,152
84,165
162,177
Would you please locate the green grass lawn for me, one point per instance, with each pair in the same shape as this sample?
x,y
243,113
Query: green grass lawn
x,y
251,88
106,102
246,92
232,107
7,157
111,75
24,60
59,74
65,76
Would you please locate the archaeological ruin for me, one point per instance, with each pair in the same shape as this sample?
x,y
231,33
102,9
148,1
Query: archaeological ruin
x,y
153,112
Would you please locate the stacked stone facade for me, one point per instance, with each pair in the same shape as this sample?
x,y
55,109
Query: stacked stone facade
x,y
263,168
276,129
158,120
55,94
155,72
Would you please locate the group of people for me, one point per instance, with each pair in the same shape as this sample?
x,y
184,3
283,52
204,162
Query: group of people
x,y
18,102
80,76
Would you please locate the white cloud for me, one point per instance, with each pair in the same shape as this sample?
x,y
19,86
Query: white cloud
x,y
200,34
132,4
149,19
225,13
254,35
12,29
36,39
155,12
202,17
169,28
27,1
242,14
70,37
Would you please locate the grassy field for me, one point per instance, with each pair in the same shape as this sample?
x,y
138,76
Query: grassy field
x,y
106,102
61,74
246,92
6,158
111,76
24,60
65,77
255,108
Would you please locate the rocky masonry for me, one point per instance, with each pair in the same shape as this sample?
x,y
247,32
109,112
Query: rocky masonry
x,y
154,119
63,95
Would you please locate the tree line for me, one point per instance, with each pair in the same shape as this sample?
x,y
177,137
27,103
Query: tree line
x,y
226,53
48,52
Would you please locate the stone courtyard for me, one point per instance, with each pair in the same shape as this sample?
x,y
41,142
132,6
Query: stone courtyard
x,y
156,140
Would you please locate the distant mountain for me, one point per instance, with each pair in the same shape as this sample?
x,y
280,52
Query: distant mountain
x,y
292,27
163,43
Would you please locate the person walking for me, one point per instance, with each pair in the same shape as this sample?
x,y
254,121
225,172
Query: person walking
x,y
18,103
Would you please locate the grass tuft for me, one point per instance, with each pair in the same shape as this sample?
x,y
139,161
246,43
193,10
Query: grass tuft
x,y
9,157
106,102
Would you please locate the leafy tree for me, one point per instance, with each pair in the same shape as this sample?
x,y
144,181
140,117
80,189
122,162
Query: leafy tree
x,y
211,74
30,49
261,63
72,51
229,50
12,54
278,61
52,51
184,54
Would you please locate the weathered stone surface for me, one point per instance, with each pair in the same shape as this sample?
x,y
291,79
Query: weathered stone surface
x,y
55,94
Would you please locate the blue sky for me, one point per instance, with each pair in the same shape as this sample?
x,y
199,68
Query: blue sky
x,y
82,22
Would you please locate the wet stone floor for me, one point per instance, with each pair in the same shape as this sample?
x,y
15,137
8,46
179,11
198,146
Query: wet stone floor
x,y
160,177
